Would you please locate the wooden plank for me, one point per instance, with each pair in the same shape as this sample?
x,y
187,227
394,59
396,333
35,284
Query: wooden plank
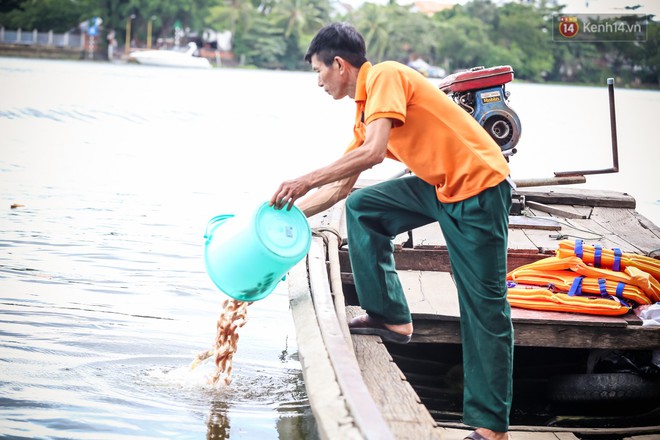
x,y
575,196
432,293
525,316
526,435
525,222
648,225
434,330
518,240
402,409
628,228
544,241
429,236
438,260
588,230
555,209
398,402
367,417
545,335
328,405
514,434
655,436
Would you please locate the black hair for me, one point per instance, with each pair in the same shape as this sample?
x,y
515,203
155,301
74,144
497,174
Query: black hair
x,y
338,39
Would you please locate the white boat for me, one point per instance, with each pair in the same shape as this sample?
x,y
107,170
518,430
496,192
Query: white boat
x,y
171,58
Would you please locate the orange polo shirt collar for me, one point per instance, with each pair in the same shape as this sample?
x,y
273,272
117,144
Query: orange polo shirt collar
x,y
361,84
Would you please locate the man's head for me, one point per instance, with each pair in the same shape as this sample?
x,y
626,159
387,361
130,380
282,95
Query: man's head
x,y
338,39
336,54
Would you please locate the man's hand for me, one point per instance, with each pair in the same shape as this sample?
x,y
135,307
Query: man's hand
x,y
290,191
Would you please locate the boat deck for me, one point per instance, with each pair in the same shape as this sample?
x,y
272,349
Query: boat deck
x,y
355,383
355,388
423,266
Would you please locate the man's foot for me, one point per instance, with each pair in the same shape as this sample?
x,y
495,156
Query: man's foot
x,y
367,325
487,434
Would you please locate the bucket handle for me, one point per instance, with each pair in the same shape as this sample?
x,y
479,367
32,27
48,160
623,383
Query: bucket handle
x,y
215,222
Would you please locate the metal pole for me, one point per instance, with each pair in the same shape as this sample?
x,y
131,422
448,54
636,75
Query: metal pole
x,y
149,33
615,147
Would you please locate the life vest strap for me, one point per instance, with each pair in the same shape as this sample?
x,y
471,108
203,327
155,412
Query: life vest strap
x,y
619,289
617,260
578,248
602,286
598,252
576,286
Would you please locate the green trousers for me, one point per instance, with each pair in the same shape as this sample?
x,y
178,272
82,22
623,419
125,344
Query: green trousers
x,y
476,231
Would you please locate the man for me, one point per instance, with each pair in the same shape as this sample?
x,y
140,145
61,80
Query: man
x,y
459,180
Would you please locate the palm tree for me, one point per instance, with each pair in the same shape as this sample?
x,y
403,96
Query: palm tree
x,y
374,24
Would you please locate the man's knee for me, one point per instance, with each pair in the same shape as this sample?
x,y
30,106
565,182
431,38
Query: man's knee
x,y
354,202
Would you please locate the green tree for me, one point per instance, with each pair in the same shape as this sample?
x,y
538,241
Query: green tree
x,y
648,60
262,44
410,33
44,15
190,13
464,42
373,22
523,29
298,20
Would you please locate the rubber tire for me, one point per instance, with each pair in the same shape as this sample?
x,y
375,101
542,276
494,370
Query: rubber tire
x,y
607,387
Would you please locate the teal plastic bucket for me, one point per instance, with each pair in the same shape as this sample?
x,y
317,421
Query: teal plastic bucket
x,y
247,257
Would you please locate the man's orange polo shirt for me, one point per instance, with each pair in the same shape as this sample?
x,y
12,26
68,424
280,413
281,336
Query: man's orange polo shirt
x,y
437,140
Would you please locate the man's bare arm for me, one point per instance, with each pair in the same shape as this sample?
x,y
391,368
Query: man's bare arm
x,y
327,196
371,153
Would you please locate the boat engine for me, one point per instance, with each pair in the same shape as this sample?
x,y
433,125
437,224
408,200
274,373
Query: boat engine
x,y
481,92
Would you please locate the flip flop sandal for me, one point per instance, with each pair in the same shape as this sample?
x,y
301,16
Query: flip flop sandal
x,y
366,325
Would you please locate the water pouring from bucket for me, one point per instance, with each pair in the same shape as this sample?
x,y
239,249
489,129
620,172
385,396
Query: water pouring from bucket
x,y
247,257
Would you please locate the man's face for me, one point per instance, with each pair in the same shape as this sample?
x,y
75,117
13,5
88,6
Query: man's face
x,y
332,78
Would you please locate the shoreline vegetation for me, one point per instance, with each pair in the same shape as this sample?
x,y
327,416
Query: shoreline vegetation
x,y
274,34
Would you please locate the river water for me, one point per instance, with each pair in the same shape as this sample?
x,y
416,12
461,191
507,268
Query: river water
x,y
104,300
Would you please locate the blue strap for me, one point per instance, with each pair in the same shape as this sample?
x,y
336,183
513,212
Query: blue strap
x,y
617,260
602,286
619,289
511,284
576,287
578,248
598,252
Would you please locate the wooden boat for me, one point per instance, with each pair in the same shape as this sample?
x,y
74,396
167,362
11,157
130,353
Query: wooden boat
x,y
359,387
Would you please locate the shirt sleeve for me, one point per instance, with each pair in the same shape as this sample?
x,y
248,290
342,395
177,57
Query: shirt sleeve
x,y
386,95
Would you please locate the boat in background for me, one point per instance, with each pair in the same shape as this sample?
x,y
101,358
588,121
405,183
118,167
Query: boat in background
x,y
171,58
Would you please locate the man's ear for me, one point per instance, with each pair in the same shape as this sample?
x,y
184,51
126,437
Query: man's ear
x,y
340,63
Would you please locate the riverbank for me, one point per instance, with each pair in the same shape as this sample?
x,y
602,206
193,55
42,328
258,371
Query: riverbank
x,y
227,59
47,52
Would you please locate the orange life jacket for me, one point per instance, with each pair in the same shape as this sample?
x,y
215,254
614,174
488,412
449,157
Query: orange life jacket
x,y
613,259
608,285
538,298
632,284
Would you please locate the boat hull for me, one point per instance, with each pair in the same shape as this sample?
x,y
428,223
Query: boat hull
x,y
163,58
